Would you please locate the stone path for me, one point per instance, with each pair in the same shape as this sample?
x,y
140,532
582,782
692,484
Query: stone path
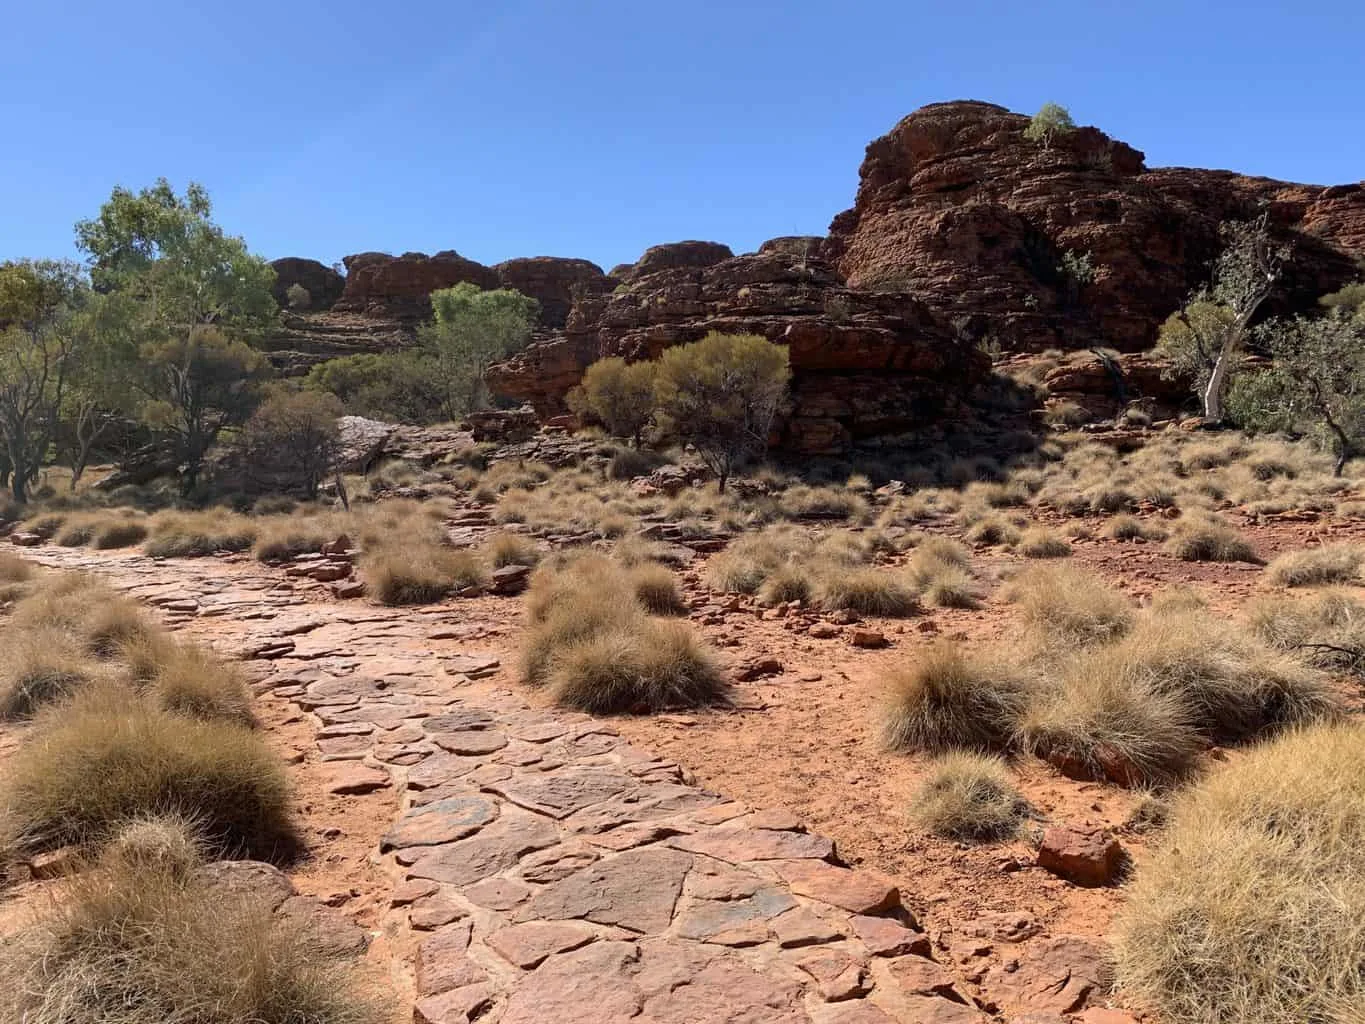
x,y
550,871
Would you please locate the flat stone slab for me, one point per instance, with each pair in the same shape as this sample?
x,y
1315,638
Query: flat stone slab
x,y
636,890
458,721
564,791
471,743
444,821
491,851
527,945
858,892
738,845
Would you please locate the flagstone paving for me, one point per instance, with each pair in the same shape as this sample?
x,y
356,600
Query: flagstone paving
x,y
548,870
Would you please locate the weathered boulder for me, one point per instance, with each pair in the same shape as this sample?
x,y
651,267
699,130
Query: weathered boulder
x,y
402,285
323,284
554,282
958,208
674,256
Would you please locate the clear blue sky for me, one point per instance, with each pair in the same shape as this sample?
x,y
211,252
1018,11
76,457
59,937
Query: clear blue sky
x,y
597,127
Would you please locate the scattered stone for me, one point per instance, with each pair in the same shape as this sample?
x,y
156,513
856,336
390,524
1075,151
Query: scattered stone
x,y
801,927
409,891
458,1006
561,793
475,666
1057,975
330,931
757,667
490,851
591,985
710,920
510,580
867,638
471,743
823,630
25,540
461,720
498,893
240,881
837,975
859,892
348,590
357,780
917,975
1086,857
431,912
885,937
442,964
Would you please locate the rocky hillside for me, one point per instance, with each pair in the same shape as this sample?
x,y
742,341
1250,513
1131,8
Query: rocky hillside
x,y
962,233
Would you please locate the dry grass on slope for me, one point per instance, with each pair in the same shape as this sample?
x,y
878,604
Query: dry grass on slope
x,y
1252,908
143,937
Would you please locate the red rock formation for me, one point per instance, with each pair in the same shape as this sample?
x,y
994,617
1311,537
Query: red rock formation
x,y
673,256
385,285
863,363
956,207
323,284
554,282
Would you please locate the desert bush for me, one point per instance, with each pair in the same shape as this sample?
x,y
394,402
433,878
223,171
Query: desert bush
x,y
1039,542
191,680
628,463
1325,629
45,524
618,395
84,612
1066,608
656,588
1177,600
1311,567
935,556
405,573
721,395
945,699
951,587
195,534
145,938
504,549
866,591
291,440
646,665
105,758
1252,907
1130,527
970,798
1200,539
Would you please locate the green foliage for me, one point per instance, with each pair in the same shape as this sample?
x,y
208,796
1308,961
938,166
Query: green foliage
x,y
721,395
200,383
617,394
386,386
1051,121
471,330
298,296
1348,300
1316,384
40,343
1191,337
199,297
292,438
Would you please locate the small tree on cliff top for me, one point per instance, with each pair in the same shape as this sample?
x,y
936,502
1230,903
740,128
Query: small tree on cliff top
x,y
721,394
618,394
1051,121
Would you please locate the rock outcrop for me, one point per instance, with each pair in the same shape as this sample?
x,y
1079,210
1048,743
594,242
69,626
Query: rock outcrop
x,y
323,284
674,256
956,207
554,282
863,363
400,286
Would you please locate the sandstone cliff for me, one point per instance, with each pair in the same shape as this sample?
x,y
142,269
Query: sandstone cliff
x,y
956,207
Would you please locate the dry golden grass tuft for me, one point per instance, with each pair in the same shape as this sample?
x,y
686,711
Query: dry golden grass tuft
x,y
143,937
106,757
40,668
785,584
280,538
1315,567
970,798
593,646
940,569
1065,608
743,566
1040,542
1112,727
1326,629
191,680
102,530
503,549
405,573
14,569
195,534
656,588
866,591
1252,908
1209,539
945,699
993,530
805,502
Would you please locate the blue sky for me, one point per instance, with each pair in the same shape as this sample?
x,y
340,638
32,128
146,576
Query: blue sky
x,y
597,127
